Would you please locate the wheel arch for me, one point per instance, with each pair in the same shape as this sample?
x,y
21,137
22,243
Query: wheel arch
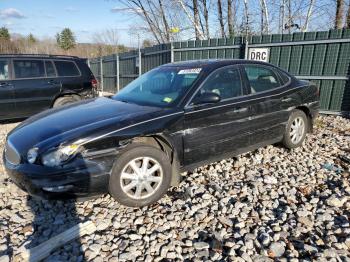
x,y
63,94
307,112
164,144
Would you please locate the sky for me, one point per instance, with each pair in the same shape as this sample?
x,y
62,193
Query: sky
x,y
44,18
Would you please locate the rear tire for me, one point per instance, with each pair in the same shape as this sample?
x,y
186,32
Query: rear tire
x,y
296,129
65,100
140,176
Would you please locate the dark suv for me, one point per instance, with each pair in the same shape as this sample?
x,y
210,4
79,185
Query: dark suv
x,y
32,83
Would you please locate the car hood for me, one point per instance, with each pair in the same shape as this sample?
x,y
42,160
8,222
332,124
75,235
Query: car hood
x,y
80,120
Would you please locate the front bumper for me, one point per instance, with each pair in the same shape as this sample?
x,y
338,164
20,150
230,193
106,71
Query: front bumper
x,y
82,178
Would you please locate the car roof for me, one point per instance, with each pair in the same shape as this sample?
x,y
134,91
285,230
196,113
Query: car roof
x,y
40,56
213,63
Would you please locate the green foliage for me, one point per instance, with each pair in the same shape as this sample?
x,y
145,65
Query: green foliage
x,y
4,33
65,39
31,39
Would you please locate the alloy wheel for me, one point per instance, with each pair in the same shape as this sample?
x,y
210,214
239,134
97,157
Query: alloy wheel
x,y
141,177
297,130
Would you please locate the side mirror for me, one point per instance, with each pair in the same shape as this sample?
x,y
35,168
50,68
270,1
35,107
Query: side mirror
x,y
207,98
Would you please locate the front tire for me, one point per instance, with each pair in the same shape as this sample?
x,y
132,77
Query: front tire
x,y
140,176
296,129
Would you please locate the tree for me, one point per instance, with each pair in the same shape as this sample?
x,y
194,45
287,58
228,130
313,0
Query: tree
x,y
230,21
66,39
31,39
347,22
4,33
221,19
205,14
338,22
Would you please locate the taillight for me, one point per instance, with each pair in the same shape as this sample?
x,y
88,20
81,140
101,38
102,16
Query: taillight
x,y
94,83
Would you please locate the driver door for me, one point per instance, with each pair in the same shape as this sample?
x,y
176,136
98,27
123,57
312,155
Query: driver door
x,y
213,130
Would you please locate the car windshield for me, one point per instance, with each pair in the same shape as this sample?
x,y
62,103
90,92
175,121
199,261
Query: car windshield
x,y
162,87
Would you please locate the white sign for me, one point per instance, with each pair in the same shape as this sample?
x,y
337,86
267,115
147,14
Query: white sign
x,y
259,54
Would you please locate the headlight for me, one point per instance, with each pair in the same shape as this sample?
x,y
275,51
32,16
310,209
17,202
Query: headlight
x,y
32,155
59,156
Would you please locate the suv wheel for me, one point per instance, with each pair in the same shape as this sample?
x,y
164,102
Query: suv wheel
x,y
140,176
296,129
64,100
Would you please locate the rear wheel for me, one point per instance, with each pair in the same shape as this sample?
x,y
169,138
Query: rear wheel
x,y
296,129
65,100
140,176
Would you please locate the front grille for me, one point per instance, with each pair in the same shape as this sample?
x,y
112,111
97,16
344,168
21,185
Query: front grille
x,y
11,154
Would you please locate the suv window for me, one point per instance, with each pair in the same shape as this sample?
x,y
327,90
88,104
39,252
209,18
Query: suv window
x,y
66,68
50,70
29,68
4,70
261,78
226,82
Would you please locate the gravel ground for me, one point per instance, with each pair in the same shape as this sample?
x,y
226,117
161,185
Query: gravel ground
x,y
270,204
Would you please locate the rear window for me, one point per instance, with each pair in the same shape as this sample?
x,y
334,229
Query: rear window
x,y
29,68
285,78
66,68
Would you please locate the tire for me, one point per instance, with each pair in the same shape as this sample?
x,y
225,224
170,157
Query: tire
x,y
296,129
65,100
124,175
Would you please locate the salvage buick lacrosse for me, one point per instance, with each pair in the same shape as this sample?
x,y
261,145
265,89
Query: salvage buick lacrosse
x,y
174,118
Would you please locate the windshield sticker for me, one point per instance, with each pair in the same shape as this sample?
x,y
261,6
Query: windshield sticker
x,y
190,71
167,99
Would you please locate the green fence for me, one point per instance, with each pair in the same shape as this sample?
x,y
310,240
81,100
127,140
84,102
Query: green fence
x,y
322,57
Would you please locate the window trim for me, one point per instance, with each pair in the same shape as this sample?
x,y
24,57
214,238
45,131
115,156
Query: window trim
x,y
236,66
70,61
26,78
276,72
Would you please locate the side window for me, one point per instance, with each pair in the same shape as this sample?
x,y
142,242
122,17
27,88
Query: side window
x,y
285,78
226,82
261,79
50,70
29,68
66,68
4,70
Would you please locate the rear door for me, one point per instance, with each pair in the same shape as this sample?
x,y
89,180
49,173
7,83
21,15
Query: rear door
x,y
212,130
70,76
7,101
35,84
267,95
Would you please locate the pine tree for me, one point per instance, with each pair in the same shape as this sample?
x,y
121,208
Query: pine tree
x,y
4,33
65,39
31,39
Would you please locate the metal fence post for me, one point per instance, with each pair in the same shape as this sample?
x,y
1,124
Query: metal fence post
x,y
246,48
171,52
118,84
101,73
140,63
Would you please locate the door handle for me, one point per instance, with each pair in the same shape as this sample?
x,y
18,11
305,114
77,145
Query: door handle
x,y
286,100
52,82
240,110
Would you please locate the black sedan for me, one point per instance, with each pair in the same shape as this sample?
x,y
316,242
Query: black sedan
x,y
173,118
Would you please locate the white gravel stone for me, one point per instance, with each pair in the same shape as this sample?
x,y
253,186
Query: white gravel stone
x,y
271,203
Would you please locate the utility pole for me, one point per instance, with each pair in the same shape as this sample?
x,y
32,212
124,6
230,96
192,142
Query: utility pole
x,y
246,28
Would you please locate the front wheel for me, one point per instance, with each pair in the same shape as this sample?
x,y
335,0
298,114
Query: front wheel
x,y
296,129
140,176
